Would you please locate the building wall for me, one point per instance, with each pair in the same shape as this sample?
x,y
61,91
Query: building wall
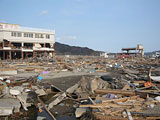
x,y
7,36
7,29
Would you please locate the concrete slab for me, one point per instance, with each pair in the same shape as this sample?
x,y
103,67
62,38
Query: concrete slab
x,y
8,106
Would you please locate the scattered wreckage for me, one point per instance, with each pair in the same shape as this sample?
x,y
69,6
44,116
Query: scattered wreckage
x,y
130,91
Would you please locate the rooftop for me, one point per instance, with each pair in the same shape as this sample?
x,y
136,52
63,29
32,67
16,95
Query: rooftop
x,y
17,27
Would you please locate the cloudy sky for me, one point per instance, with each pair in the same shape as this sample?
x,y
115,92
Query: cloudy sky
x,y
106,25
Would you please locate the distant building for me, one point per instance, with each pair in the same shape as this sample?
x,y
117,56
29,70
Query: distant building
x,y
104,54
20,42
156,55
139,50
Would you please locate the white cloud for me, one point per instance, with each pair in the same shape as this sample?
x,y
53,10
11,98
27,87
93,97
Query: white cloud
x,y
66,38
44,12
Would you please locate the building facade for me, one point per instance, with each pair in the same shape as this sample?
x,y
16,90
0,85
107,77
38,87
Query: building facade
x,y
22,42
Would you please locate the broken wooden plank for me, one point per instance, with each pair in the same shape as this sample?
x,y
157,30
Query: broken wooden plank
x,y
121,99
105,105
145,114
51,115
57,100
116,91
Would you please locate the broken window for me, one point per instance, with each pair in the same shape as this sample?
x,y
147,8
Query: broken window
x,y
15,45
48,45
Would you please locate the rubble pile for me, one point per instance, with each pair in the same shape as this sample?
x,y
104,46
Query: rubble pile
x,y
18,95
130,94
123,88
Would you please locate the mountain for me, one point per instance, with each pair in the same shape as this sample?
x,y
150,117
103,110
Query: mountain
x,y
63,49
151,53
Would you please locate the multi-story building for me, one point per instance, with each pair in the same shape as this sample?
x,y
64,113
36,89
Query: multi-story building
x,y
22,42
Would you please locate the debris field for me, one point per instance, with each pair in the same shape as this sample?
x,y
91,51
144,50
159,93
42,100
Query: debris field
x,y
80,87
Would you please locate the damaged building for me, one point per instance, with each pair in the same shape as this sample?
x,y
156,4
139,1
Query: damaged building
x,y
137,51
21,42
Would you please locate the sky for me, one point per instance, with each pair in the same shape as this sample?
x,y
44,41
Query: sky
x,y
105,25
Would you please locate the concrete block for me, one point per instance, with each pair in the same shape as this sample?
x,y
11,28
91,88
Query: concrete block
x,y
79,112
8,106
23,99
16,90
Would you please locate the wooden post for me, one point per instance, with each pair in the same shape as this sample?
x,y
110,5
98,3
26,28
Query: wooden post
x,y
50,114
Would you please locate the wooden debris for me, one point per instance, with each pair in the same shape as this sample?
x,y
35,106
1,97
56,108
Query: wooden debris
x,y
116,91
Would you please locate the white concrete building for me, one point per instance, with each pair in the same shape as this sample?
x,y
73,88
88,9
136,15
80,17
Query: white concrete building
x,y
21,42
